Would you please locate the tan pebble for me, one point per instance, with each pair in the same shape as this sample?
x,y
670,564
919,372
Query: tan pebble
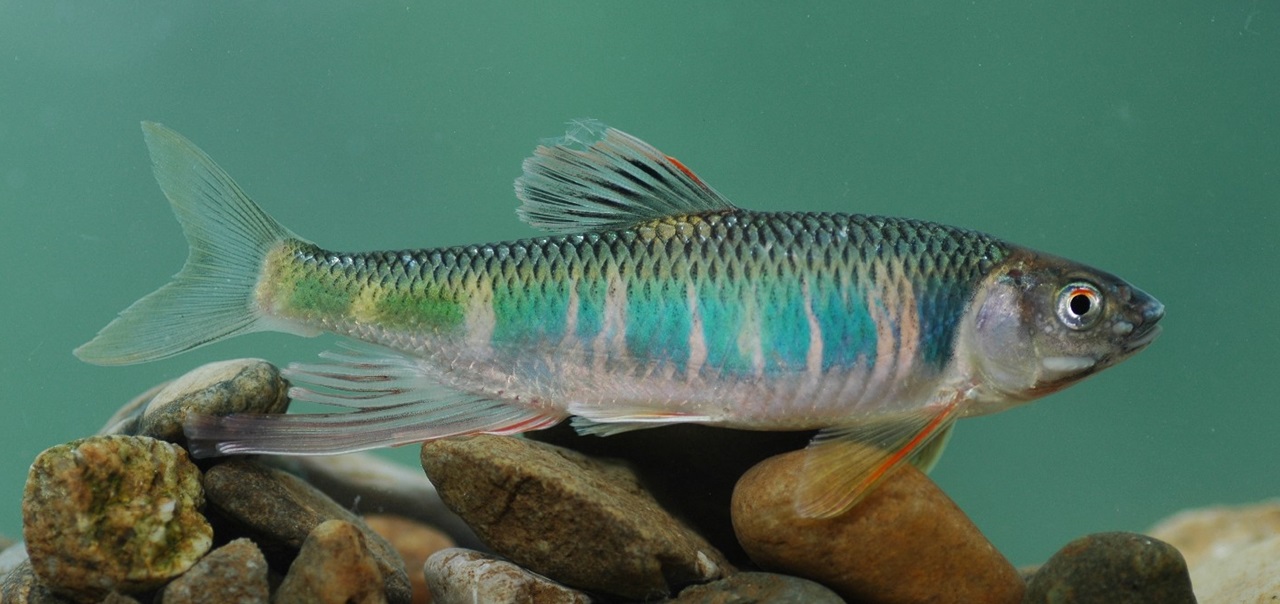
x,y
283,509
334,566
906,542
415,542
1207,534
1248,574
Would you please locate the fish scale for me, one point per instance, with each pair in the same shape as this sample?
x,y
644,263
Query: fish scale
x,y
652,301
845,263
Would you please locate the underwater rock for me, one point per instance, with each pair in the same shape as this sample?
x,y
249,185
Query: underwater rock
x,y
757,588
905,542
463,576
284,509
368,483
113,513
415,542
1206,534
235,572
22,586
12,556
690,469
1248,574
582,522
1113,568
334,566
221,388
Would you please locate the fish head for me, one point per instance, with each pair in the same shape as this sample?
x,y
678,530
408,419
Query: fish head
x,y
1040,323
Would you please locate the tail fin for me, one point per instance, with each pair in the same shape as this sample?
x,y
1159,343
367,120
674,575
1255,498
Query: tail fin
x,y
211,298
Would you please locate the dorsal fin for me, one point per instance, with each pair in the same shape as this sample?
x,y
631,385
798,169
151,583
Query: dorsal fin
x,y
596,178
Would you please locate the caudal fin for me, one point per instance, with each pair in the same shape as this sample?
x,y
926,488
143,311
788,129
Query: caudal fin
x,y
211,298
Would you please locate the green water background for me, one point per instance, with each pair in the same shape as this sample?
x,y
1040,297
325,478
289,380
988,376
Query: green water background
x,y
1141,137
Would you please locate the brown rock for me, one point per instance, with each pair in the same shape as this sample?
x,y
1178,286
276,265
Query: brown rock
x,y
113,513
463,576
415,542
221,388
1113,568
579,521
905,542
235,572
282,509
334,566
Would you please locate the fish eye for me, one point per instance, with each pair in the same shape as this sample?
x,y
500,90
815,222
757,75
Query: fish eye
x,y
1079,305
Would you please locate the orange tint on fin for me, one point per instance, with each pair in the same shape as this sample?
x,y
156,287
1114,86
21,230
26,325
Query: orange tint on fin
x,y
685,169
842,465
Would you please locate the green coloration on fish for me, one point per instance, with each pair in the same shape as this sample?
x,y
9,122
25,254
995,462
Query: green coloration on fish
x,y
653,301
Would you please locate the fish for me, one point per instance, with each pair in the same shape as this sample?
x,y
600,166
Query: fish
x,y
649,300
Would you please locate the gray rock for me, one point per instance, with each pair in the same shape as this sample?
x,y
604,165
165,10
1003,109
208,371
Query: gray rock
x,y
333,567
1113,568
369,484
283,509
463,576
579,521
113,513
21,586
11,557
758,588
221,388
235,573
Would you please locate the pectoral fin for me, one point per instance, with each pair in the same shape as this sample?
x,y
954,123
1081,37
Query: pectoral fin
x,y
844,463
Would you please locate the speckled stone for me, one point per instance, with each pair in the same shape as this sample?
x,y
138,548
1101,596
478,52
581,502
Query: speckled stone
x,y
415,542
463,576
283,509
758,588
221,388
576,520
234,573
113,513
906,542
1113,568
1206,534
334,566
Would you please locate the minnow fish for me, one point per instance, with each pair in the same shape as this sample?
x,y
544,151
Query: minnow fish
x,y
653,300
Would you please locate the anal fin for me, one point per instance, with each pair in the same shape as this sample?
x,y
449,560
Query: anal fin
x,y
843,464
397,400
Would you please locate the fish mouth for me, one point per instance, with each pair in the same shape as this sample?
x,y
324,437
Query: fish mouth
x,y
1149,311
1142,337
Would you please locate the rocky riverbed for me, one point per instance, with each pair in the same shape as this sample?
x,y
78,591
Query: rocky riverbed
x,y
682,514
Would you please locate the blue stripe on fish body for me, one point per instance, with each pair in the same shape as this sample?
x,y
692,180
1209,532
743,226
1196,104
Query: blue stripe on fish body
x,y
784,328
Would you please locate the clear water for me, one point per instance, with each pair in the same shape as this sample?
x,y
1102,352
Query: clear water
x,y
1144,139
